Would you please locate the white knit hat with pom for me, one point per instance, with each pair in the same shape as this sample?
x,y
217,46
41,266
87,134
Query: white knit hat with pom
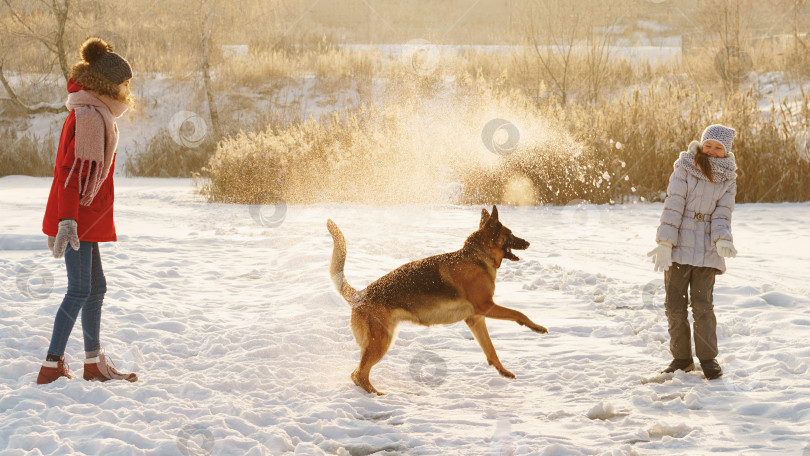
x,y
720,133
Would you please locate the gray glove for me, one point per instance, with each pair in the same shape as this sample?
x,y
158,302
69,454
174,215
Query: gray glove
x,y
67,233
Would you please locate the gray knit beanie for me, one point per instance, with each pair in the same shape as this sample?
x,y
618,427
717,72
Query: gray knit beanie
x,y
720,133
107,63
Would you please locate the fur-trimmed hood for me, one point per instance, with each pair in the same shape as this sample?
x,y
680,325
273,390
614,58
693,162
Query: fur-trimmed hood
x,y
92,80
101,70
723,169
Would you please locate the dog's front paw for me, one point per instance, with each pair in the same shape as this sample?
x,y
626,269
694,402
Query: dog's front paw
x,y
539,329
506,373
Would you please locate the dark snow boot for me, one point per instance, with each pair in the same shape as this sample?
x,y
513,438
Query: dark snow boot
x,y
686,365
711,369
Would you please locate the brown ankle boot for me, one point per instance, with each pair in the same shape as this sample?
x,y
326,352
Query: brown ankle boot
x,y
52,370
98,369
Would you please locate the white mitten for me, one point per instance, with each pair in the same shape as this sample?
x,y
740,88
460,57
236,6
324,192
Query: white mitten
x,y
726,248
662,256
67,234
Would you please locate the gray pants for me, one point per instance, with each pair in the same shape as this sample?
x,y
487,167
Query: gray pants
x,y
699,282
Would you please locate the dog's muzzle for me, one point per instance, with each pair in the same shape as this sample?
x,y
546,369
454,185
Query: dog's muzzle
x,y
514,243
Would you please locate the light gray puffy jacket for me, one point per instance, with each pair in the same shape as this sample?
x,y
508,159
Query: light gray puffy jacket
x,y
697,212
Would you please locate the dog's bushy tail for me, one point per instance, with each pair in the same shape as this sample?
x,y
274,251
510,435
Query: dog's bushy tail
x,y
338,261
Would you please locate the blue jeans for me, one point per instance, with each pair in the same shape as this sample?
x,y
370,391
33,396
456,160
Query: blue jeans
x,y
85,292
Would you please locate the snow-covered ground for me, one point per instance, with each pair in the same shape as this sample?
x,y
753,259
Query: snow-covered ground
x,y
243,348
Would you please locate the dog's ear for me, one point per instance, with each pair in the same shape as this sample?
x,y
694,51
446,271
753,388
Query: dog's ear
x,y
484,218
494,213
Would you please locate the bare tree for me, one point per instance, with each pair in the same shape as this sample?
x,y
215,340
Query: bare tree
x,y
206,33
552,30
53,41
801,49
598,39
729,23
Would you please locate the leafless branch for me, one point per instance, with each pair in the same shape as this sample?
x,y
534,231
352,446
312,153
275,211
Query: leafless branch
x,y
16,99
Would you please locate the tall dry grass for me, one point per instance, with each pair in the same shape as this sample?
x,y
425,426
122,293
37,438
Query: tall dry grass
x,y
162,156
653,125
615,151
28,155
629,145
404,148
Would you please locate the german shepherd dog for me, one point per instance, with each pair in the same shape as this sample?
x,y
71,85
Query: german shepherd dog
x,y
440,289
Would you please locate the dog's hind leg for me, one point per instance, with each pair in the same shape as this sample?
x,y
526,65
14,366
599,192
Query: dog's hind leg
x,y
492,310
478,326
374,339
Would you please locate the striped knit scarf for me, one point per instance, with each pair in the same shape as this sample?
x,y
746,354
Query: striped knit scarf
x,y
95,140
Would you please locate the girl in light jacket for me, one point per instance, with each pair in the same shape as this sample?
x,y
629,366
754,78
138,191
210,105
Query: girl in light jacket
x,y
694,239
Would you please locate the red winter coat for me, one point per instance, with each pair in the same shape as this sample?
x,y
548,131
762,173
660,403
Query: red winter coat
x,y
95,221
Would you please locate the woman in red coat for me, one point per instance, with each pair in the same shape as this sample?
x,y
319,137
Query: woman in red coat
x,y
80,205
